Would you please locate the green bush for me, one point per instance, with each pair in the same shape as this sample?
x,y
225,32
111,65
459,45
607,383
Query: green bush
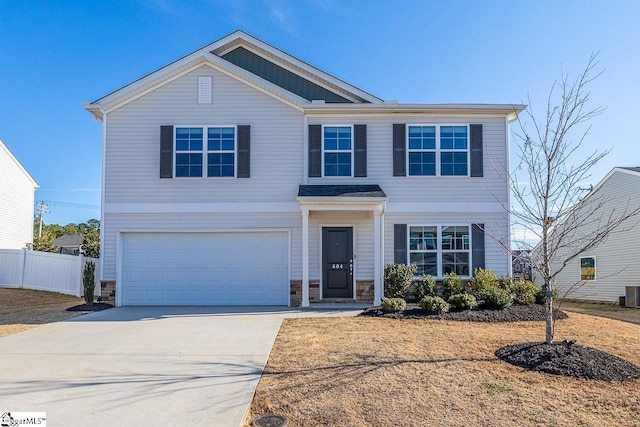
x,y
452,285
425,286
495,297
524,292
463,301
484,279
541,296
434,305
393,305
397,279
89,282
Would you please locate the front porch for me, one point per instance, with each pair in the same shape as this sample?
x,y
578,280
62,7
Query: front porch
x,y
342,245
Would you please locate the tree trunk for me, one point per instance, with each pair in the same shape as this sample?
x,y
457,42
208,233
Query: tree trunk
x,y
549,311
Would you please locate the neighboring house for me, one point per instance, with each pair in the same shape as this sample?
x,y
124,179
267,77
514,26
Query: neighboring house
x,y
242,175
602,273
521,265
69,244
17,190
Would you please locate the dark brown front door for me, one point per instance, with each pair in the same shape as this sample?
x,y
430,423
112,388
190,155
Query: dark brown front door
x,y
337,262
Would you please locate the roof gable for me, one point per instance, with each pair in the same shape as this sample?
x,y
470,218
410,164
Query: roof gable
x,y
258,64
13,158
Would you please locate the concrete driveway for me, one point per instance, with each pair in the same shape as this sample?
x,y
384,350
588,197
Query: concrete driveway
x,y
139,366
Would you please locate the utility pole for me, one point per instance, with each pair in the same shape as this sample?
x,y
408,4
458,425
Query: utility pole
x,y
41,209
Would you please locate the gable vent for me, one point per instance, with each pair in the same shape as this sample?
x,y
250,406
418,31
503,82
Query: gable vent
x,y
204,90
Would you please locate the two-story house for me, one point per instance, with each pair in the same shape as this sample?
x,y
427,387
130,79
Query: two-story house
x,y
240,175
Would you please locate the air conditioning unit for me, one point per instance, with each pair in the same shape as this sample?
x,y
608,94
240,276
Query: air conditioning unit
x,y
633,296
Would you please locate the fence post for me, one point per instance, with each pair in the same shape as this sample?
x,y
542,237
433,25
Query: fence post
x,y
81,264
23,265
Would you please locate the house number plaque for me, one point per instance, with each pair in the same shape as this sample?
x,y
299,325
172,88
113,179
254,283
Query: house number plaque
x,y
337,266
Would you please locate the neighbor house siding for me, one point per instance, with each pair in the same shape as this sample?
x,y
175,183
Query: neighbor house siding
x,y
16,203
617,262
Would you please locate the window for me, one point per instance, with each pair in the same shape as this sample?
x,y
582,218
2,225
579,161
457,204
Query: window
x,y
588,268
218,159
438,250
337,146
438,150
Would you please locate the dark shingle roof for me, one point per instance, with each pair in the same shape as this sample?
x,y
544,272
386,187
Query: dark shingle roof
x,y
632,169
69,240
340,191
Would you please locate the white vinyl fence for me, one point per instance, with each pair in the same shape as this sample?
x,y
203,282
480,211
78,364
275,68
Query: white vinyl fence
x,y
21,268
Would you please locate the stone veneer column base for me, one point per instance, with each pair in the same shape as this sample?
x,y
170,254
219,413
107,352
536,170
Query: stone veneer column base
x,y
295,290
364,291
108,291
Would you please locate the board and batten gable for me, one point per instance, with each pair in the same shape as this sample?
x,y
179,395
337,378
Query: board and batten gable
x,y
617,256
16,202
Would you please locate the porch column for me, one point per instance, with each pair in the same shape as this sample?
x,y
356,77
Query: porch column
x,y
377,256
305,257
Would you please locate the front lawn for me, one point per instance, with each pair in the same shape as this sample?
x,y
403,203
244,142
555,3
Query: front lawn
x,y
423,372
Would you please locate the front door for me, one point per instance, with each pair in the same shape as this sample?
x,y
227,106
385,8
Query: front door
x,y
337,262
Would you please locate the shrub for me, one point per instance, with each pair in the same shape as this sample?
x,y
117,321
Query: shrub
x,y
434,305
425,286
393,305
452,285
397,279
89,281
524,292
541,296
463,301
483,280
495,297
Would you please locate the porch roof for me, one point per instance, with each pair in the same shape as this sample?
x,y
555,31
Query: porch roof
x,y
355,191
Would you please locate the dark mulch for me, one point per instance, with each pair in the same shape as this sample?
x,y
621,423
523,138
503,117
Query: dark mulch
x,y
96,306
515,313
570,360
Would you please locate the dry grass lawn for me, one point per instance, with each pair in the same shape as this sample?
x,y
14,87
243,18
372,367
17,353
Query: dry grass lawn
x,y
387,372
22,309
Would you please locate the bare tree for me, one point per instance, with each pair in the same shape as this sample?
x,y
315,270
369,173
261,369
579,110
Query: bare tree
x,y
553,205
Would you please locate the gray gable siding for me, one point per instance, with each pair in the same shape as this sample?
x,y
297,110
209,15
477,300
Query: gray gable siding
x,y
284,78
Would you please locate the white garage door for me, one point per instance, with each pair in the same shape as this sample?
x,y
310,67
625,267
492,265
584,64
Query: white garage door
x,y
205,268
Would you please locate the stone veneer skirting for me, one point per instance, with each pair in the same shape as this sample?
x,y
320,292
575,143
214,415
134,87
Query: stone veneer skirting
x,y
364,291
108,291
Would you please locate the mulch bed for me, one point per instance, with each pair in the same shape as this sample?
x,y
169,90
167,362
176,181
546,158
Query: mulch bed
x,y
570,360
515,313
96,306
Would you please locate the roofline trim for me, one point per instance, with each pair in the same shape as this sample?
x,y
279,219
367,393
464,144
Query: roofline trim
x,y
20,165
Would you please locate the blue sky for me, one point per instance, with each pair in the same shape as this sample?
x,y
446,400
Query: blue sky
x,y
55,55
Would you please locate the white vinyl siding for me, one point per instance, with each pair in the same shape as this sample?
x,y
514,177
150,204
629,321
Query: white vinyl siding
x,y
617,257
133,135
441,191
16,203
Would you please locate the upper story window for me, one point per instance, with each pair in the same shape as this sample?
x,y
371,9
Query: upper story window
x,y
438,150
438,250
337,146
216,159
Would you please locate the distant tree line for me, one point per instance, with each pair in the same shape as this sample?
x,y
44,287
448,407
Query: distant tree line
x,y
90,231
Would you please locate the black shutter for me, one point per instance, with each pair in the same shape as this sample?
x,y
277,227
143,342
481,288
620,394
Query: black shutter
x,y
400,243
399,150
315,151
477,249
360,150
476,150
244,151
166,151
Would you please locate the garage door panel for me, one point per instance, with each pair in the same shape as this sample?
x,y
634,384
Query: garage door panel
x,y
205,268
